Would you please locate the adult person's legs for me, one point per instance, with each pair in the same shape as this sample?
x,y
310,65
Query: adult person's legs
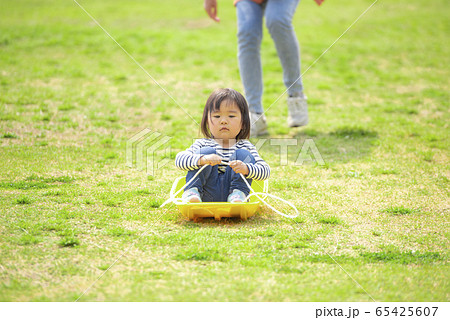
x,y
250,18
279,14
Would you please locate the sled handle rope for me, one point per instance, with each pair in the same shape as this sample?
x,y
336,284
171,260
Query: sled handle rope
x,y
252,193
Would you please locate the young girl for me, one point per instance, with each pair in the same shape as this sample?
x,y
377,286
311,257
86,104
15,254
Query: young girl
x,y
226,127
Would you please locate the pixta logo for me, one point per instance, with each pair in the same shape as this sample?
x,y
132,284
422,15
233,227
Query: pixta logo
x,y
307,152
148,151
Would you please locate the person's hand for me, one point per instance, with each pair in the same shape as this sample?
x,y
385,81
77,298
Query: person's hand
x,y
211,9
211,159
319,2
239,167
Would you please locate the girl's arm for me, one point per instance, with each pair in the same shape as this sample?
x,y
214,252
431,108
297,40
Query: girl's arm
x,y
259,170
189,160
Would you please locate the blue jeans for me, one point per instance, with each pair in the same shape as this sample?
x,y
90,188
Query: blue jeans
x,y
278,14
215,186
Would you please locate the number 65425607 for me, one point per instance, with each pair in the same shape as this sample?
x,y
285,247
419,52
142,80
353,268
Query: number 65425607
x,y
406,312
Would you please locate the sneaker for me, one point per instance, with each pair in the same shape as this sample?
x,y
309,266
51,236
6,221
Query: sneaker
x,y
258,124
298,111
236,196
191,195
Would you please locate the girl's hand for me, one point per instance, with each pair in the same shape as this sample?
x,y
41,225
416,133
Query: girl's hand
x,y
211,159
239,167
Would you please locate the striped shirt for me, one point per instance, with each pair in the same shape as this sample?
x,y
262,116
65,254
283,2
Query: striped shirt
x,y
188,160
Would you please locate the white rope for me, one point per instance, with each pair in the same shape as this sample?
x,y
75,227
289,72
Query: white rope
x,y
253,193
173,198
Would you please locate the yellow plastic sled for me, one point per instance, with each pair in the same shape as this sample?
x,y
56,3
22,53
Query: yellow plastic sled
x,y
218,210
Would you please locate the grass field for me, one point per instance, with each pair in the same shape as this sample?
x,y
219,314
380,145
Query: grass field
x,y
374,219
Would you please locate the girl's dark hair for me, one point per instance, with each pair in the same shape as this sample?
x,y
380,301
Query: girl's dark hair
x,y
229,96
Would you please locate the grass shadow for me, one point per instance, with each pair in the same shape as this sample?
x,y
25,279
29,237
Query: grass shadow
x,y
263,217
341,145
211,222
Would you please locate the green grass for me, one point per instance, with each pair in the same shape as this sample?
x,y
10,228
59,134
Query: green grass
x,y
398,210
69,242
70,99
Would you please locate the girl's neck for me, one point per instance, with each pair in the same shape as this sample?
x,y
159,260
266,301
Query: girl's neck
x,y
226,143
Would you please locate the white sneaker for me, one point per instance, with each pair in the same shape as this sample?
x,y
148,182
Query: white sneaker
x,y
258,124
298,111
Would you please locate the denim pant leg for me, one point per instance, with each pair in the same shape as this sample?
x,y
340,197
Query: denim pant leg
x,y
207,182
279,14
250,21
234,179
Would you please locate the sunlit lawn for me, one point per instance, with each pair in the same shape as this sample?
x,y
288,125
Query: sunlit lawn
x,y
70,99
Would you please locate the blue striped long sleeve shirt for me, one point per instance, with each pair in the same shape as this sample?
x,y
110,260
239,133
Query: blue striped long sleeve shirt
x,y
188,160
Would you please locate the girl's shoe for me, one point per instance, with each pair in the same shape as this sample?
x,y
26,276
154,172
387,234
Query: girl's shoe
x,y
191,195
236,196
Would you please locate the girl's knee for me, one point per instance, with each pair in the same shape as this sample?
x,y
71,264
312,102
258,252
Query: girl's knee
x,y
206,150
243,155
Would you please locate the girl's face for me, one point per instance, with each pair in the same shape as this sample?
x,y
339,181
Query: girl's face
x,y
225,123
